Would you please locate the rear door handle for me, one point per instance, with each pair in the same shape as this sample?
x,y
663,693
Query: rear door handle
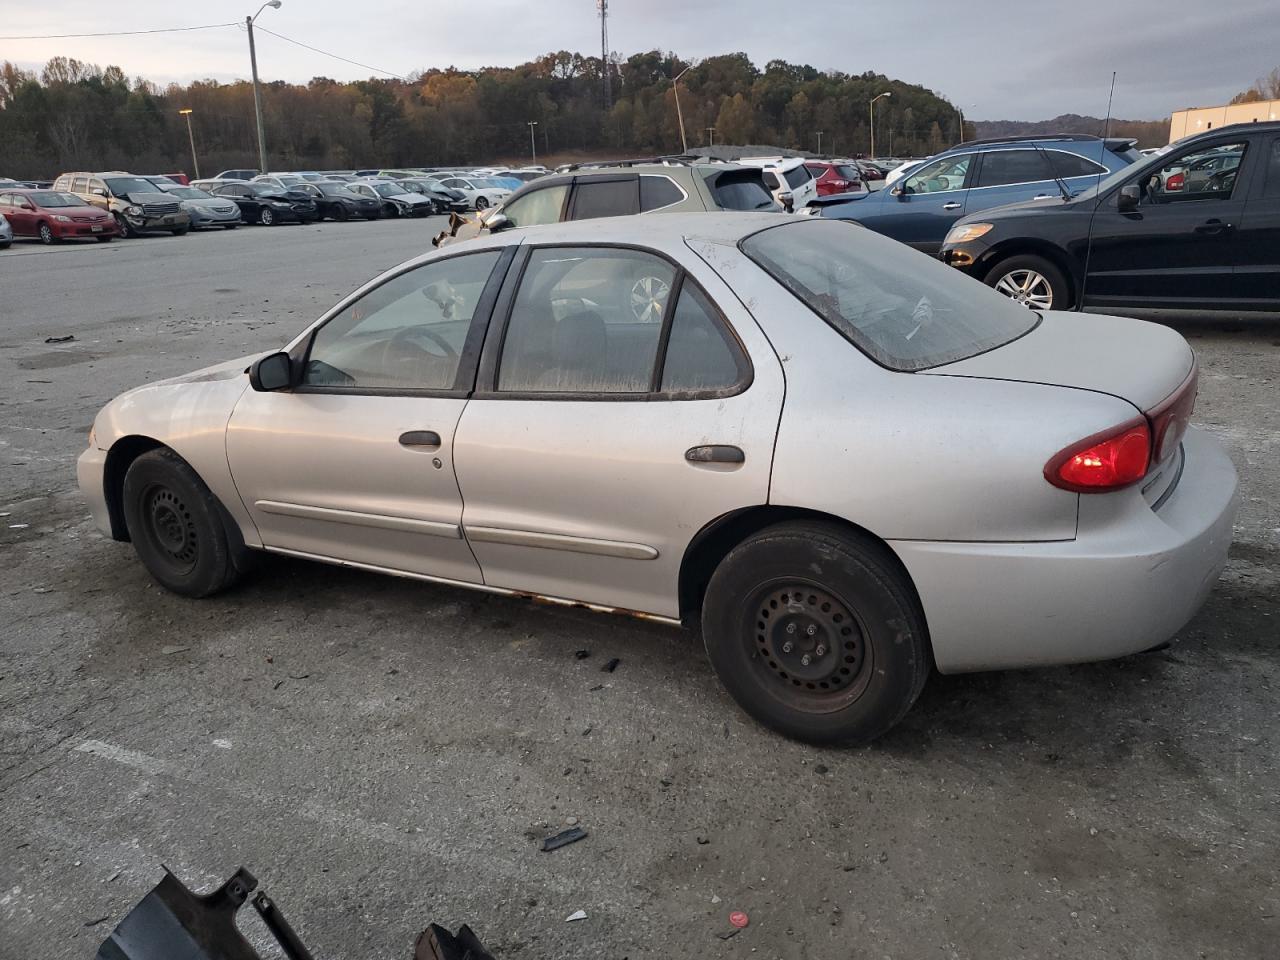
x,y
420,438
715,453
1213,227
951,206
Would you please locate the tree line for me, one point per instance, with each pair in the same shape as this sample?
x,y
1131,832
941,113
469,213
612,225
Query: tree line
x,y
74,115
1264,88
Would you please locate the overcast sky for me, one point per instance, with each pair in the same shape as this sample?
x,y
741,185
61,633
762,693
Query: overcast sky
x,y
995,59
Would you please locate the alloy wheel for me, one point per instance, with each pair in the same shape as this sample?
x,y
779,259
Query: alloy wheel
x,y
649,299
46,233
1027,287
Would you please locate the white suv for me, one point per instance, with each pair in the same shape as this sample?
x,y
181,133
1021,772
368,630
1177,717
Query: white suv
x,y
788,178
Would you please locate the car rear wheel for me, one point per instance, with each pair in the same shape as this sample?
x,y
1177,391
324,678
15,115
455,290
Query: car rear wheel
x,y
46,234
1031,281
176,527
816,632
266,217
481,203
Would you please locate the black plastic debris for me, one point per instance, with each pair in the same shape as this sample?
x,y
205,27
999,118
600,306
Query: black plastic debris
x,y
437,943
611,666
563,839
67,339
581,654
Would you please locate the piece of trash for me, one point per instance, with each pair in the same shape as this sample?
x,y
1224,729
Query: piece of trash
x,y
277,685
576,915
702,841
19,526
729,934
598,686
299,676
611,666
715,898
820,769
563,839
39,381
739,919
174,649
67,339
581,654
94,923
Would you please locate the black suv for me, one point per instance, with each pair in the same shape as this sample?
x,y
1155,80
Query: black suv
x,y
1196,226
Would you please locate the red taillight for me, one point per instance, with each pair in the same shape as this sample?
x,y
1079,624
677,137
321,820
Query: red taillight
x,y
1175,182
1107,461
1170,418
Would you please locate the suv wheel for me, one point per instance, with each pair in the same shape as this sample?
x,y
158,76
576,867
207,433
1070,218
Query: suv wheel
x,y
816,632
1031,281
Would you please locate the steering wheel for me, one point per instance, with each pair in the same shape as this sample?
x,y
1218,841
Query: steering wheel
x,y
1222,180
404,337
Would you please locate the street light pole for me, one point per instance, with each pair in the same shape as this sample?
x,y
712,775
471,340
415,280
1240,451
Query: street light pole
x,y
711,136
257,94
675,87
887,93
191,137
533,144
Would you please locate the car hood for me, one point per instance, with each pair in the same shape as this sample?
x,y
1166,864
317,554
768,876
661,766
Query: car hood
x,y
1131,359
227,370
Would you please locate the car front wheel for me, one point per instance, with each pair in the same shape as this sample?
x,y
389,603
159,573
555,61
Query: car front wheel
x,y
176,526
1031,281
816,632
46,234
266,217
481,203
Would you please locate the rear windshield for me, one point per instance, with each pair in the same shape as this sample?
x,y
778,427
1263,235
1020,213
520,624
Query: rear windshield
x,y
741,190
797,176
846,172
905,310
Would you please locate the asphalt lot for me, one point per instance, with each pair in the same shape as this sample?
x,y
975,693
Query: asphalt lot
x,y
385,753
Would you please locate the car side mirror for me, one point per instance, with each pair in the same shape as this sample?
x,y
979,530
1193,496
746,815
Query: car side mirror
x,y
901,191
272,372
1128,198
498,221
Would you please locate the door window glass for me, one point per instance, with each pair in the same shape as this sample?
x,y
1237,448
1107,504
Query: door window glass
x,y
586,320
701,355
80,185
407,333
1206,173
945,173
1068,165
658,192
1000,167
606,198
1272,186
538,206
797,176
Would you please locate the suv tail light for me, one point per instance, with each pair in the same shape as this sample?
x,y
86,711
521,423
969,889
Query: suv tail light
x,y
1107,461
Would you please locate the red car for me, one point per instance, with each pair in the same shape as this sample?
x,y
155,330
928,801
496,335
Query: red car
x,y
835,178
51,216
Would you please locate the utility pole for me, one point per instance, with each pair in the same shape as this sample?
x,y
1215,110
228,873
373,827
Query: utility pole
x,y
819,143
191,137
887,93
960,110
257,94
533,144
603,7
675,87
711,136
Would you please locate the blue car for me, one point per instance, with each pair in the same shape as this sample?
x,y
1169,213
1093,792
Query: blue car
x,y
920,208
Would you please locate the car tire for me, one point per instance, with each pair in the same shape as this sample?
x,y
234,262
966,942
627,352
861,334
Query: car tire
x,y
341,214
5,244
481,204
126,232
1032,281
180,231
266,217
45,232
175,523
230,226
795,588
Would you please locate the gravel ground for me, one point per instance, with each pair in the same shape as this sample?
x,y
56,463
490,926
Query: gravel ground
x,y
384,753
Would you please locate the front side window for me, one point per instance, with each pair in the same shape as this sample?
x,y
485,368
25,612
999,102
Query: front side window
x,y
606,198
945,173
586,320
905,311
539,206
1000,167
406,334
1201,174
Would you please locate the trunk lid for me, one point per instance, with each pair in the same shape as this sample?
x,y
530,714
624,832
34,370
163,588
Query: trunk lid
x,y
1143,363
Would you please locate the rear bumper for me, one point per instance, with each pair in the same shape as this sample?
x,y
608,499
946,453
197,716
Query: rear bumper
x,y
1129,581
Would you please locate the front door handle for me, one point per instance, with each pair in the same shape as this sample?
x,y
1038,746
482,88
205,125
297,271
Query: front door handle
x,y
715,453
951,206
1213,227
427,439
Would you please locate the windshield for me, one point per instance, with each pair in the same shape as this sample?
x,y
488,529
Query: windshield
x,y
188,193
120,186
48,198
905,310
336,190
388,189
264,190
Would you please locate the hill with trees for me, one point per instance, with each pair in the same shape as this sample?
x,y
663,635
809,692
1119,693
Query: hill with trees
x,y
75,115
1148,133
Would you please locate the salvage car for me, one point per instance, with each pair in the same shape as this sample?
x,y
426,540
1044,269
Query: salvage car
x,y
137,205
1157,234
335,202
51,216
480,192
396,200
846,462
204,209
265,204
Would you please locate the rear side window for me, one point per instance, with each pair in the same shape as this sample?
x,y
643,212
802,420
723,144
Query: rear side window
x,y
797,176
606,198
1272,186
80,185
740,190
658,192
701,355
537,206
1013,166
847,172
905,311
1068,165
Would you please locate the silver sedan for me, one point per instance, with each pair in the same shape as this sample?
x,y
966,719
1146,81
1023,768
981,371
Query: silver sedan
x,y
844,461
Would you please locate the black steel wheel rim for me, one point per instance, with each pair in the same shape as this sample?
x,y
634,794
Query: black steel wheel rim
x,y
807,645
170,527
